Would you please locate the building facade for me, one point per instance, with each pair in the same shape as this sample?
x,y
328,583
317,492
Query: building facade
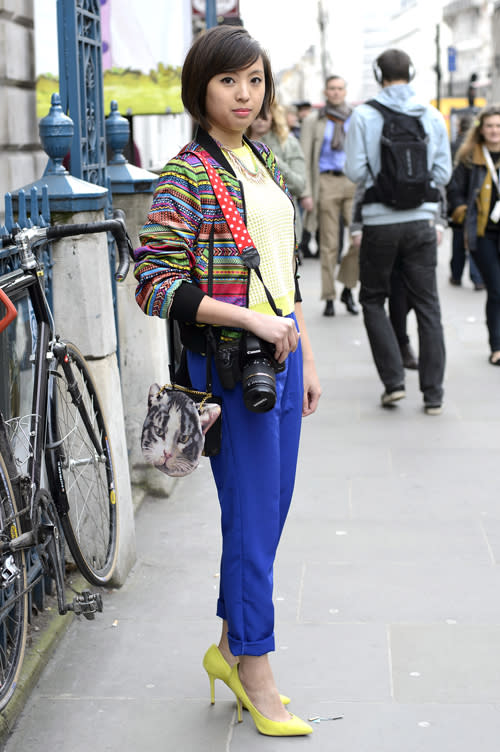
x,y
472,37
21,156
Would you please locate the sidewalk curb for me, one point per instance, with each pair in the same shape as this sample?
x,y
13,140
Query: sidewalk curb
x,y
36,658
39,653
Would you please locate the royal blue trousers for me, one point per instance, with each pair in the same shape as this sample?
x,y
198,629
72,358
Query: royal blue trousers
x,y
255,474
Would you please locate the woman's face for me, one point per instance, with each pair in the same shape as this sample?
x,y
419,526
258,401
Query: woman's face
x,y
233,101
261,126
490,131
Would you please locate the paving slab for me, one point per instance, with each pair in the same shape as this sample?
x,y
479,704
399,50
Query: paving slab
x,y
388,593
451,663
386,580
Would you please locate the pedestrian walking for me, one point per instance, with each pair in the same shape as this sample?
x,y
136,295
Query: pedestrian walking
x,y
329,193
459,254
399,213
474,203
226,83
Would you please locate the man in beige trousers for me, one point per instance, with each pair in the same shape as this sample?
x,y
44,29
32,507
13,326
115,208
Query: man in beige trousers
x,y
329,194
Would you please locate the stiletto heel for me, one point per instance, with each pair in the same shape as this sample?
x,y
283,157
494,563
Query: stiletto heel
x,y
212,688
238,705
217,667
294,727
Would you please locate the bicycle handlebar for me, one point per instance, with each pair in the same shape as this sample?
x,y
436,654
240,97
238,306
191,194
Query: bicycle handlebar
x,y
11,311
116,226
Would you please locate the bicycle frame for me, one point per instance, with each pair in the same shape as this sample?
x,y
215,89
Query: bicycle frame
x,y
49,350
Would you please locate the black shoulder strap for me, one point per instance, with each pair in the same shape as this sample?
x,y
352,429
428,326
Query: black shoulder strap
x,y
384,111
387,113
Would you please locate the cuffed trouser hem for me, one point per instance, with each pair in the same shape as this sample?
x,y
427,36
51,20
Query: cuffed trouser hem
x,y
261,647
240,647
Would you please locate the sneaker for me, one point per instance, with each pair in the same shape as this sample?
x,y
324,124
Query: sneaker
x,y
433,409
455,282
393,395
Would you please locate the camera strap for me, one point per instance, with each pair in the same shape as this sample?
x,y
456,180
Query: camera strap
x,y
241,236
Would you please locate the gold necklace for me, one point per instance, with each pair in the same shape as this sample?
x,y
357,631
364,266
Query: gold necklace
x,y
255,176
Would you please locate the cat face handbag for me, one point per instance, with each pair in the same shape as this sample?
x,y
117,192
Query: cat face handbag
x,y
176,428
181,424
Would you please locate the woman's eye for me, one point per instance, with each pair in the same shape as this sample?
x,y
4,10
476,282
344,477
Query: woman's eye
x,y
227,80
256,80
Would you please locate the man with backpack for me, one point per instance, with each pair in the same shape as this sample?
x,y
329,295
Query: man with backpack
x,y
398,149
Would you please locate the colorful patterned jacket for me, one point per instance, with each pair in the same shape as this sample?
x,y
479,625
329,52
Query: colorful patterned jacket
x,y
185,228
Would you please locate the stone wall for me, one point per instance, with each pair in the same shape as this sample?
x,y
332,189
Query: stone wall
x,y
21,156
143,359
495,35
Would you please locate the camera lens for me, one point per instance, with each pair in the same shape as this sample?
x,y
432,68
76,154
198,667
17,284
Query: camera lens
x,y
259,386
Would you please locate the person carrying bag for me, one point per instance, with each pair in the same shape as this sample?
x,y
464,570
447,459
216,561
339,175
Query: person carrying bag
x,y
190,268
474,202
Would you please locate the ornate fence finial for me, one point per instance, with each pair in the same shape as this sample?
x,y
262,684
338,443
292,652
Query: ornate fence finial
x,y
117,134
56,131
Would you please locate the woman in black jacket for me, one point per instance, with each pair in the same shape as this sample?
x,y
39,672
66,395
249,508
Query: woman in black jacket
x,y
474,201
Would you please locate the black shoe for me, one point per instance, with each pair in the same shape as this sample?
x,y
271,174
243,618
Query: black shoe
x,y
348,300
390,396
455,282
409,358
329,309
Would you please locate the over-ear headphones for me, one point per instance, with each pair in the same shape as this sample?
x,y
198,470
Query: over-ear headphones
x,y
377,72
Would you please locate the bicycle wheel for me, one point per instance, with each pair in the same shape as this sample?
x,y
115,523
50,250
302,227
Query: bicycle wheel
x,y
13,597
82,479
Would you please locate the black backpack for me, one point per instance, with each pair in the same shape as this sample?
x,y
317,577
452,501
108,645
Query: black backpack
x,y
404,180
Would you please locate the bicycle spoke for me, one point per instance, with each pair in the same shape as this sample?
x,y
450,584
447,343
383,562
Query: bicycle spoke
x,y
88,475
13,616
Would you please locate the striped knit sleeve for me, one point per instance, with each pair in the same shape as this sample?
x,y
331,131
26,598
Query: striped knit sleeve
x,y
166,258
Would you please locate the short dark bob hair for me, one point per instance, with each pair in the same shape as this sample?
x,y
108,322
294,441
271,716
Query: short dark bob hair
x,y
222,49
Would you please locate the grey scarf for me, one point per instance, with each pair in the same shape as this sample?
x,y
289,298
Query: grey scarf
x,y
338,115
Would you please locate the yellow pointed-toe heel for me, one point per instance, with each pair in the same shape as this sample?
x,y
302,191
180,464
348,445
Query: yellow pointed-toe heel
x,y
294,727
217,667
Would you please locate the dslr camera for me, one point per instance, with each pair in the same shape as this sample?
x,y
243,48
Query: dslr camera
x,y
258,373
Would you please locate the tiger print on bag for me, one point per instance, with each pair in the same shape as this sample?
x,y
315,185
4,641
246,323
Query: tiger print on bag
x,y
174,431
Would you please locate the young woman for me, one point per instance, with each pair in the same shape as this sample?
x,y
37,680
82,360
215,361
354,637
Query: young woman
x,y
226,84
474,202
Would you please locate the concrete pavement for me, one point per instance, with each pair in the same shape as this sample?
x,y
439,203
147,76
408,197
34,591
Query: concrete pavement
x,y
387,579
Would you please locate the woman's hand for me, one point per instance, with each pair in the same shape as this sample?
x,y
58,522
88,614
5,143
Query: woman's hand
x,y
280,331
312,389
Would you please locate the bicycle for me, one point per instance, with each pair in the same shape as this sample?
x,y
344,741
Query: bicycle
x,y
62,489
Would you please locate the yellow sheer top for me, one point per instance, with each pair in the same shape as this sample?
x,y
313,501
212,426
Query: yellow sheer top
x,y
270,222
